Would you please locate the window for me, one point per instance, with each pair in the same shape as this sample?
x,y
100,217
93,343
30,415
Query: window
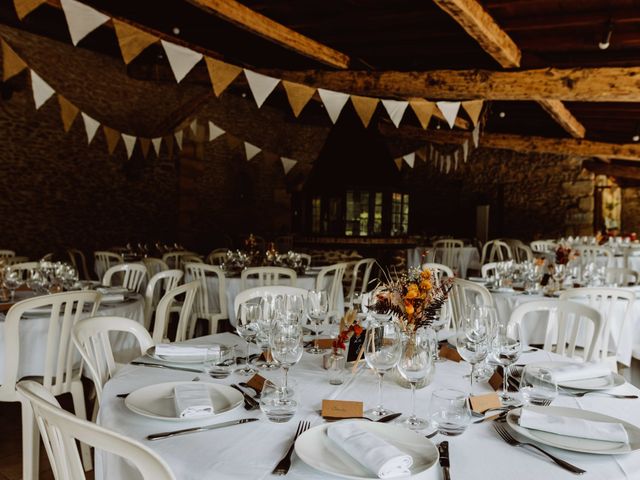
x,y
357,217
399,214
316,205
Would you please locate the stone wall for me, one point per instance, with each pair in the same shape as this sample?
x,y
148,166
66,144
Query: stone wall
x,y
631,209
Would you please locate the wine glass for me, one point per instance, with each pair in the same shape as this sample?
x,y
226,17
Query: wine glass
x,y
382,350
268,315
442,320
286,346
472,338
484,370
559,273
415,364
506,351
247,327
317,308
11,281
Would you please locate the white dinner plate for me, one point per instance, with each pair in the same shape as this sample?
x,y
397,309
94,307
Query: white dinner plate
x,y
576,444
315,449
156,401
598,383
177,358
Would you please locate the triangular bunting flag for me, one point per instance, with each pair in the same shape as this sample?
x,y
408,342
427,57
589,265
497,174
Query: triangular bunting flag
x,y
221,74
156,142
181,59
456,154
287,164
214,131
410,158
448,164
473,109
68,112
145,143
25,7
298,95
90,125
333,102
364,107
476,136
129,143
465,150
398,162
113,137
81,19
423,110
395,109
194,126
421,153
251,150
450,111
12,64
179,134
132,40
261,85
41,90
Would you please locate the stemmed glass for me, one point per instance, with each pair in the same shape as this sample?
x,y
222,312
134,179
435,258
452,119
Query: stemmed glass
x,y
506,351
247,327
382,350
317,308
484,370
268,315
286,346
472,338
415,364
11,281
559,273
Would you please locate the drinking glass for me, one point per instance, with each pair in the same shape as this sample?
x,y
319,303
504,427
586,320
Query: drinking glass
x,y
11,281
537,385
473,336
449,411
268,316
317,307
286,346
442,320
279,402
382,350
506,351
247,327
484,370
559,273
415,364
220,361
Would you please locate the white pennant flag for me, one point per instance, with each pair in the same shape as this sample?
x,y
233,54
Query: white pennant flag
x,y
287,164
450,111
465,150
181,59
129,143
81,19
334,102
156,145
194,126
42,91
456,154
90,125
410,158
476,135
261,85
214,131
178,136
395,109
251,150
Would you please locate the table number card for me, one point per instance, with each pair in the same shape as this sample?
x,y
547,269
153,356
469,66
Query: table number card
x,y
342,409
450,354
325,343
257,382
481,403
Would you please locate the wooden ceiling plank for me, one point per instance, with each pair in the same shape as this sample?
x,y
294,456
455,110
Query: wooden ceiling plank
x,y
611,170
563,116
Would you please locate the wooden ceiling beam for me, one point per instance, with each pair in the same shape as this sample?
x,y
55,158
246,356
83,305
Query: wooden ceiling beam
x,y
560,113
611,170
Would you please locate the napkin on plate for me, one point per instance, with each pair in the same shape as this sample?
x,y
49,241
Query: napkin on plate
x,y
192,400
112,290
172,350
573,427
112,297
371,451
580,371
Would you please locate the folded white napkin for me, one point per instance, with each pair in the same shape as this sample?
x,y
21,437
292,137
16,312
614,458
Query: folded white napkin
x,y
112,297
573,427
372,452
192,400
172,350
580,371
111,290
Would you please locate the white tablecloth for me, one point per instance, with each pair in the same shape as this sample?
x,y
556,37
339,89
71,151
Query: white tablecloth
x,y
469,258
249,452
33,336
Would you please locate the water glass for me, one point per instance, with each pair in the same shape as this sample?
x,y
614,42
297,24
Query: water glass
x,y
415,364
247,326
537,385
220,361
336,368
382,350
450,412
317,306
286,346
506,351
278,402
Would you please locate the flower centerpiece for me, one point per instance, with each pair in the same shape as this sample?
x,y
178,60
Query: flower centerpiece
x,y
563,254
349,326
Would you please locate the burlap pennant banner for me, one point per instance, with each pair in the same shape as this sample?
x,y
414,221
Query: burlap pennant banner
x,y
68,112
113,137
12,64
221,74
132,40
298,95
365,107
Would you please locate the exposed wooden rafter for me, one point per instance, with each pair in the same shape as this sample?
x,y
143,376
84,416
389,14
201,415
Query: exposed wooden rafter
x,y
565,119
618,171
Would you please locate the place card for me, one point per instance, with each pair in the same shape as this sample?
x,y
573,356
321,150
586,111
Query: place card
x,y
257,382
496,381
342,409
481,403
324,343
450,353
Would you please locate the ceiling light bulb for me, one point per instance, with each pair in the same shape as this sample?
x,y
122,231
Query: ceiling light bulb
x,y
636,138
502,114
176,31
606,39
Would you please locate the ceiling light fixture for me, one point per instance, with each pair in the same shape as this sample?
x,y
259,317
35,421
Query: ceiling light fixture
x,y
176,31
606,38
502,114
636,134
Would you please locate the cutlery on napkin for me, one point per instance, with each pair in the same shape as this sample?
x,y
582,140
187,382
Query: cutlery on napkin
x,y
192,400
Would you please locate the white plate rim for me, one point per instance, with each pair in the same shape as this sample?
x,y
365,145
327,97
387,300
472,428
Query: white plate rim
x,y
578,413
616,378
236,399
321,429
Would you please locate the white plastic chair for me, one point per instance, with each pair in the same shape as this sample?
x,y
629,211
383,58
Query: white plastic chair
x,y
496,250
164,309
360,273
158,285
622,277
330,280
259,292
447,252
60,374
79,262
267,276
521,252
60,430
306,259
201,307
104,260
191,259
91,338
24,268
439,271
466,292
6,254
133,276
488,270
543,246
593,253
217,256
154,265
176,259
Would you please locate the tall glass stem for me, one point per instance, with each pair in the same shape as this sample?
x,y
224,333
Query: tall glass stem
x,y
315,343
413,401
247,357
473,372
505,384
380,378
286,377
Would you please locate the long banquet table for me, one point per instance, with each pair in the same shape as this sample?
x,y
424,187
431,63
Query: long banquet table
x,y
249,452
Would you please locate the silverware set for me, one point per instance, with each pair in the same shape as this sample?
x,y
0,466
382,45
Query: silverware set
x,y
250,403
283,466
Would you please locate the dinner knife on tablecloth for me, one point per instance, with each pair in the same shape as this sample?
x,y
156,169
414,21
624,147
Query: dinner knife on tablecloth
x,y
443,449
157,436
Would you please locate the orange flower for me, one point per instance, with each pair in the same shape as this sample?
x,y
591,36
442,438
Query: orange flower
x,y
408,307
425,285
412,291
357,330
425,274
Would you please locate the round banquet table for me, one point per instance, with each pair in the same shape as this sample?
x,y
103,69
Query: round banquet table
x,y
469,258
249,452
34,330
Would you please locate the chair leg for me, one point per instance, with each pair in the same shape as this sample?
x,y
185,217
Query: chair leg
x,y
77,393
30,443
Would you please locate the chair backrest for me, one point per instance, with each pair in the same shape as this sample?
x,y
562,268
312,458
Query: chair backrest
x,y
267,276
24,268
448,252
360,273
466,292
200,272
439,271
539,311
79,262
543,246
91,338
496,250
258,292
164,309
154,265
610,303
158,285
104,260
593,253
60,430
132,276
217,256
621,277
191,259
176,259
5,254
306,259
64,310
330,280
521,252
489,269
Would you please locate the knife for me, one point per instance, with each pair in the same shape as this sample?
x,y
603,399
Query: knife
x,y
443,449
159,365
158,436
249,402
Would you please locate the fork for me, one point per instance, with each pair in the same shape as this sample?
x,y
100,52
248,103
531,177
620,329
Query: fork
x,y
506,436
283,466
582,394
